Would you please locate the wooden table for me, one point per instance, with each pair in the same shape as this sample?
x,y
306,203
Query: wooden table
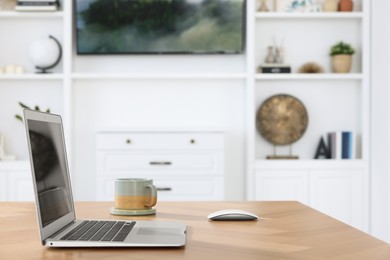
x,y
288,230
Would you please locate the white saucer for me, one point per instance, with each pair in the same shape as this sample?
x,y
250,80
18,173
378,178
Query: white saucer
x,y
132,212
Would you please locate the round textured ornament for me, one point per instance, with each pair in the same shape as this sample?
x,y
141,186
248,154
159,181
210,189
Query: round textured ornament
x,y
282,119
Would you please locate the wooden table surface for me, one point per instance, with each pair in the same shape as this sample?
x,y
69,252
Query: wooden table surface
x,y
287,230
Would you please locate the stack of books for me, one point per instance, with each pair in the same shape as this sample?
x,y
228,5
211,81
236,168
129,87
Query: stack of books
x,y
341,145
37,5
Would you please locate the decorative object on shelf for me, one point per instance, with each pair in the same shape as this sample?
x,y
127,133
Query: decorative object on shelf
x,y
22,105
322,150
345,6
274,61
341,54
12,69
311,67
279,51
274,68
45,54
7,5
298,6
270,58
263,6
282,120
3,155
37,5
330,6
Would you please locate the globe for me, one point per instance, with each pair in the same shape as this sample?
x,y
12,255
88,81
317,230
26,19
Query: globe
x,y
45,53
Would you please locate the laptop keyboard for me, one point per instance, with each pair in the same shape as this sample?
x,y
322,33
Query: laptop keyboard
x,y
93,230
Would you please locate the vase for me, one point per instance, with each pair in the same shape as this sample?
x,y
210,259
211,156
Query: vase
x,y
341,63
345,6
263,6
330,6
270,58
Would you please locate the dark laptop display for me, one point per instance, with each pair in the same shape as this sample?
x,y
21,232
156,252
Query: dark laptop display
x,y
52,183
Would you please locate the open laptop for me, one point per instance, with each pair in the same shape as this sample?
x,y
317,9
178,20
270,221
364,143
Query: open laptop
x,y
54,201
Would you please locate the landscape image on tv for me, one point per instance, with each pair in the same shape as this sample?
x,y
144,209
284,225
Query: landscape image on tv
x,y
160,26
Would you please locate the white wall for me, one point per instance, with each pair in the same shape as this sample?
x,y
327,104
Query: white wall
x,y
380,130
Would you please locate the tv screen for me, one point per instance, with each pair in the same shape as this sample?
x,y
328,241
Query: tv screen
x,y
160,26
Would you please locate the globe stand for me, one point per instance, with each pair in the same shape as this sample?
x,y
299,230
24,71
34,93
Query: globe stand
x,y
44,70
283,157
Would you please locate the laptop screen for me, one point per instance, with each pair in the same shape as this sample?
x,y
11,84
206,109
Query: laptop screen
x,y
50,169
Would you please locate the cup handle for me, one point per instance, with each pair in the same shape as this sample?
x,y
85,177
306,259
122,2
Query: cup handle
x,y
153,195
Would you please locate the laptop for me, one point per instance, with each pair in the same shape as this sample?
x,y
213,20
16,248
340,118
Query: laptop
x,y
54,200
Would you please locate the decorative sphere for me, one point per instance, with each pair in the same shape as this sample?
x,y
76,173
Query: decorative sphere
x,y
44,52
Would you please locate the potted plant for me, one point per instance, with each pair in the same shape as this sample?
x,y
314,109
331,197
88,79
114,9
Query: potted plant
x,y
19,117
341,57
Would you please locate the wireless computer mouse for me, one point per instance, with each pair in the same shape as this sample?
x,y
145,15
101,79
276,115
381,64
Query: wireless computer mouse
x,y
232,214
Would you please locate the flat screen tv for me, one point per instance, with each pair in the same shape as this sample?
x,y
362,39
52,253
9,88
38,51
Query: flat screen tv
x,y
160,26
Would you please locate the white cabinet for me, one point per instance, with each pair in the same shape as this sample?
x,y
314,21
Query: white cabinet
x,y
338,193
16,181
183,165
278,184
336,189
334,102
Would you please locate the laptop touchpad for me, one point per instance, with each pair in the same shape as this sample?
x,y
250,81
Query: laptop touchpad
x,y
158,231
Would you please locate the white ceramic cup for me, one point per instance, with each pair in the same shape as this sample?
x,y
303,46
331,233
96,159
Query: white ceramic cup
x,y
135,193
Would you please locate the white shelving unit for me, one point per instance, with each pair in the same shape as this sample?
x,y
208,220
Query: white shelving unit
x,y
45,90
334,102
206,91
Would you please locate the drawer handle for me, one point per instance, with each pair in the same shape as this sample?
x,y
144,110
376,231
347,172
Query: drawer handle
x,y
128,141
160,163
192,141
164,188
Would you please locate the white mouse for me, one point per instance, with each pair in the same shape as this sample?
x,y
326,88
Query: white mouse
x,y
232,214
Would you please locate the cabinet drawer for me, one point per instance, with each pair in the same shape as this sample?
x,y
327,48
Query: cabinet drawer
x,y
137,141
155,162
178,189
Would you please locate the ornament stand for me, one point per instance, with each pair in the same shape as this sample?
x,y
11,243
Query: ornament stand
x,y
283,157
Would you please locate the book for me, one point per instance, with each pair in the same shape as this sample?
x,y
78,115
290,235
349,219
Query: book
x,y
345,145
37,5
334,143
274,68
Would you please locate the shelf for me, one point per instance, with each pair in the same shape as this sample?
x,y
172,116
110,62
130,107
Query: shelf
x,y
322,76
121,76
312,164
14,14
160,129
319,15
30,76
